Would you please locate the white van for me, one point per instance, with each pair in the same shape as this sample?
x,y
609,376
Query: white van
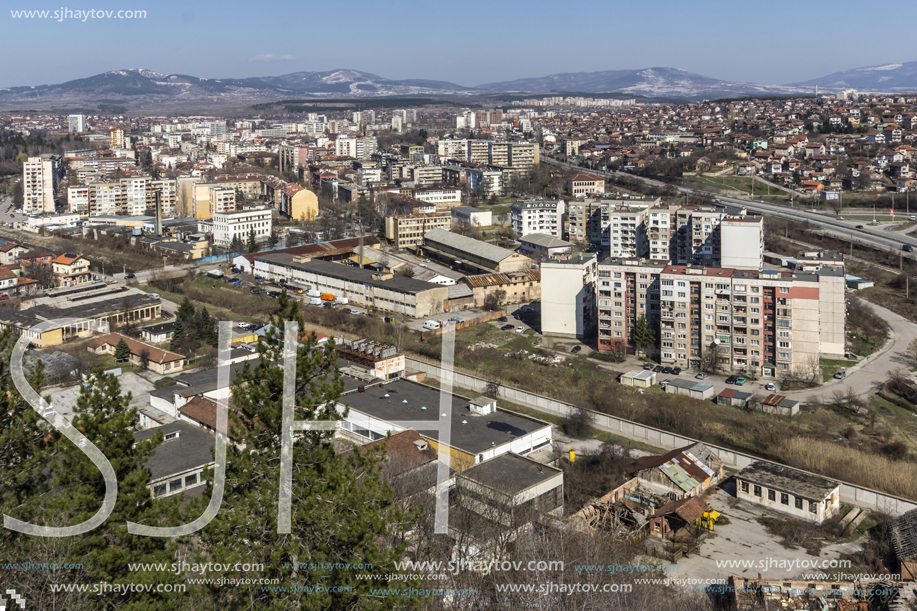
x,y
431,324
341,300
314,293
315,301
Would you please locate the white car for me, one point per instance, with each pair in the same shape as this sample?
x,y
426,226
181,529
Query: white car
x,y
242,325
520,329
771,387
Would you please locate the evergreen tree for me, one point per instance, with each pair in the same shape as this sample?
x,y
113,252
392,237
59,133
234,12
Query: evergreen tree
x,y
122,351
207,327
274,238
252,243
178,332
342,511
235,245
643,334
185,310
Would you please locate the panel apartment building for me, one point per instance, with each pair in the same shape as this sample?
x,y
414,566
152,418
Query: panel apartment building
x,y
617,225
39,180
538,216
761,322
707,236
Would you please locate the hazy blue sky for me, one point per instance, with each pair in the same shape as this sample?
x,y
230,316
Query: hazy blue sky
x,y
469,43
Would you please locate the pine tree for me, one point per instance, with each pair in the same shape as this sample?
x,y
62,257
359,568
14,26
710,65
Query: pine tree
x,y
252,243
207,327
178,332
185,310
236,244
273,239
122,351
643,334
342,511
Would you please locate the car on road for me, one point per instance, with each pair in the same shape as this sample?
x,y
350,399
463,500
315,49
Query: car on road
x,y
97,280
700,376
112,281
506,328
732,379
907,248
648,366
770,386
840,375
859,227
576,349
676,370
129,276
740,381
913,217
520,329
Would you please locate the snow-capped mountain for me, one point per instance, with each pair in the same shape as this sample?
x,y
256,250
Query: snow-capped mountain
x,y
649,82
886,77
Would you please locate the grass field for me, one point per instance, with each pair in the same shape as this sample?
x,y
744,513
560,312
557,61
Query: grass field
x,y
829,367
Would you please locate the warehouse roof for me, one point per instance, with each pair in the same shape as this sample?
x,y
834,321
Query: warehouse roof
x,y
477,248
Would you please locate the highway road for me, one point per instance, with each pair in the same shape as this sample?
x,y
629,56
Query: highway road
x,y
839,227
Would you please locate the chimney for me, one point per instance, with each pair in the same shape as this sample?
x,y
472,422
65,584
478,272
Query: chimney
x,y
158,200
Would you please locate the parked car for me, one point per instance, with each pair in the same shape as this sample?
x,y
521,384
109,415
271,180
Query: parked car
x,y
666,370
129,276
648,366
236,270
520,329
676,370
506,328
740,381
907,248
456,319
112,281
242,325
859,227
254,290
657,368
576,349
840,375
732,379
770,386
355,312
503,319
700,376
913,217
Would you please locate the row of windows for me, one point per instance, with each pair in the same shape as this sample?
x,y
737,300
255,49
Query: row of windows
x,y
798,502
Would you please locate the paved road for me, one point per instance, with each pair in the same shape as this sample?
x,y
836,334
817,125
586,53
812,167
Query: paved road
x,y
839,227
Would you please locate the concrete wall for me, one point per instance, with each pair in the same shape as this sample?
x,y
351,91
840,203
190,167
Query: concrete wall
x,y
850,493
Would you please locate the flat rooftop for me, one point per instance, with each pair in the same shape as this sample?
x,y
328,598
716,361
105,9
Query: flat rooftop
x,y
510,473
471,433
789,480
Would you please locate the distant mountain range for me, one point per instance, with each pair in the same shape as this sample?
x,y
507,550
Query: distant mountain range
x,y
138,88
885,78
649,82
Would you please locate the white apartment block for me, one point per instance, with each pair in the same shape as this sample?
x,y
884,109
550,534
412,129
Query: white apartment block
x,y
355,147
613,224
764,323
660,230
484,181
700,237
568,296
441,197
227,225
538,216
452,149
77,123
39,179
117,140
742,242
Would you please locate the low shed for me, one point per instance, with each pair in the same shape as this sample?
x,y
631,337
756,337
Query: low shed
x,y
639,378
690,388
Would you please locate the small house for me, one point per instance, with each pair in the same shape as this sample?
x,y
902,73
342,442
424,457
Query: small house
x,y
797,493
